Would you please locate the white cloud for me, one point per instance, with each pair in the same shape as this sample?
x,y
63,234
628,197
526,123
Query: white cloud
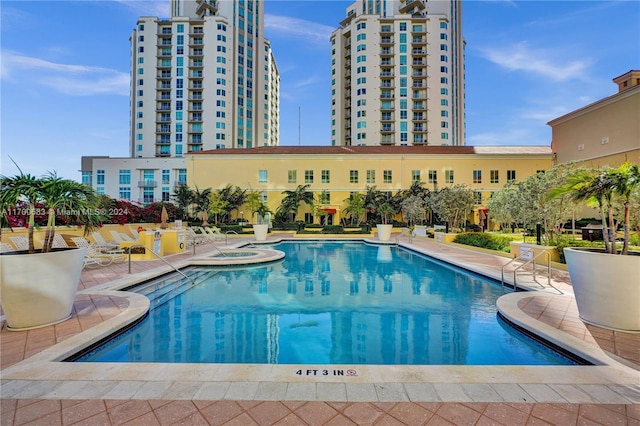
x,y
287,26
544,62
159,8
78,80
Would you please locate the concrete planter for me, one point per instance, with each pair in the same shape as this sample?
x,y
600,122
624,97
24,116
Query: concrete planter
x,y
260,231
384,232
39,289
606,287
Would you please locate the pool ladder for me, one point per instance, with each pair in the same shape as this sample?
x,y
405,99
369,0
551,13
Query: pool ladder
x,y
529,257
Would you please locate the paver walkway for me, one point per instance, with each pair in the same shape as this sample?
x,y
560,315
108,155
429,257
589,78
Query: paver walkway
x,y
90,310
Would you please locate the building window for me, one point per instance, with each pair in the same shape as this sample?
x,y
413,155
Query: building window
x,y
125,193
494,176
448,176
415,176
433,176
147,195
182,176
262,176
371,176
125,177
511,175
100,177
325,197
165,193
387,176
326,178
166,176
478,197
353,176
308,176
86,178
477,176
292,176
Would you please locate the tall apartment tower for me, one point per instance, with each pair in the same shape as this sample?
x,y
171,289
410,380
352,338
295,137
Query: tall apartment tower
x,y
398,74
205,78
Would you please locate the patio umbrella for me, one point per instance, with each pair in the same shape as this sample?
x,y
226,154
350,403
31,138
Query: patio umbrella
x,y
205,216
481,217
164,217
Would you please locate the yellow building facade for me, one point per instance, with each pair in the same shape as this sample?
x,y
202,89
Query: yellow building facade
x,y
334,172
605,133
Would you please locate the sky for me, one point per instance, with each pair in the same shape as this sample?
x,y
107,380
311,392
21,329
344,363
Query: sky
x,y
64,71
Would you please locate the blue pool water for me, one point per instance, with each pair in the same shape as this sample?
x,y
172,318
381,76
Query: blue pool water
x,y
328,303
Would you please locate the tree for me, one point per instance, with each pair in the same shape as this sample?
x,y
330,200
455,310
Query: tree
x,y
372,199
234,196
59,196
216,204
290,204
201,200
254,203
355,207
183,196
626,179
414,207
452,204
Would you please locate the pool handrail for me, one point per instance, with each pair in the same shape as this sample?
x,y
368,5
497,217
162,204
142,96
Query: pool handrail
x,y
128,249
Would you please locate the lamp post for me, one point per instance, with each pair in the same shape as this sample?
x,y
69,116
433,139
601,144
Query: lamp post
x,y
242,217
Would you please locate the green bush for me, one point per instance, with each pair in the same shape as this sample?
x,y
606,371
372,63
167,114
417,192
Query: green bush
x,y
236,228
286,226
561,243
333,229
484,240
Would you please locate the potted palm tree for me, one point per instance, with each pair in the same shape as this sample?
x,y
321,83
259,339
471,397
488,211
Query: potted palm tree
x,y
38,286
386,212
605,281
261,229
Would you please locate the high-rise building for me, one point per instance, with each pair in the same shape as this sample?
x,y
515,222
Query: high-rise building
x,y
397,74
205,78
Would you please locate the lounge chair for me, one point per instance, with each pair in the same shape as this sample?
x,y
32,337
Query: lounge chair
x,y
195,238
58,242
20,242
99,239
212,234
6,247
116,236
98,253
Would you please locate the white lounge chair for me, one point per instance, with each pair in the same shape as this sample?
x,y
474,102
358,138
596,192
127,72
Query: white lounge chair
x,y
21,242
116,236
99,239
6,247
96,256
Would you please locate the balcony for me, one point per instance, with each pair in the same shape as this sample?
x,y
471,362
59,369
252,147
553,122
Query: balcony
x,y
386,73
163,129
386,52
419,95
386,61
164,74
419,40
386,29
418,74
196,52
418,85
419,117
419,63
387,141
387,128
386,117
386,40
419,106
418,52
419,129
195,118
147,183
387,96
389,107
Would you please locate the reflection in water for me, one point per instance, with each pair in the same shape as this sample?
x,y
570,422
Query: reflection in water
x,y
331,303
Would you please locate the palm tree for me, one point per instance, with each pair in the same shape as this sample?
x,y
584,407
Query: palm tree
x,y
292,199
355,207
22,186
626,179
183,196
64,196
201,199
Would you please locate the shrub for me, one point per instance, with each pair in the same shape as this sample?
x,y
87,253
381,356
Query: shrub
x,y
333,229
484,240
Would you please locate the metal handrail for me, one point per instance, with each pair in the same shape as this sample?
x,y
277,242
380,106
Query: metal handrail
x,y
226,236
525,255
159,257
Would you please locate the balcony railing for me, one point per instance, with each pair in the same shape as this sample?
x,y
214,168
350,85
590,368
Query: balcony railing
x,y
147,183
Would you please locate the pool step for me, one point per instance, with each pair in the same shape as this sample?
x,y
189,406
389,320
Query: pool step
x,y
169,287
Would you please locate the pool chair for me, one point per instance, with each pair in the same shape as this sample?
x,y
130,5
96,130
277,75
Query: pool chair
x,y
195,238
97,255
127,237
58,242
21,242
212,234
99,239
6,247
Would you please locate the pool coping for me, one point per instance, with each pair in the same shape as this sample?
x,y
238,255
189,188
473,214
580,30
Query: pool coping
x,y
608,381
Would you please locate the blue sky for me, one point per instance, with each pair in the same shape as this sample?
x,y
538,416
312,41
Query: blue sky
x,y
65,71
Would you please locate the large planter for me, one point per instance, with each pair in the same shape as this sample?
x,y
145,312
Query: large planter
x,y
260,231
39,289
384,232
606,287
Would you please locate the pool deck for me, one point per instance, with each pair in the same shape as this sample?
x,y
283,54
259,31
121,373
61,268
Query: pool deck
x,y
38,389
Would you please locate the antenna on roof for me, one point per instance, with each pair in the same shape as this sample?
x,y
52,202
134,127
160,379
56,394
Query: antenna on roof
x,y
299,126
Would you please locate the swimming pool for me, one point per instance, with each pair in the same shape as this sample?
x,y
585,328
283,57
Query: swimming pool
x,y
328,303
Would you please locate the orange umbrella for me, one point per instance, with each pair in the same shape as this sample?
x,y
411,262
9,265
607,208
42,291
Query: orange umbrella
x,y
164,217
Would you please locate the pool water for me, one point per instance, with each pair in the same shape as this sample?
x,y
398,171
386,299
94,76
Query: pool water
x,y
328,303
